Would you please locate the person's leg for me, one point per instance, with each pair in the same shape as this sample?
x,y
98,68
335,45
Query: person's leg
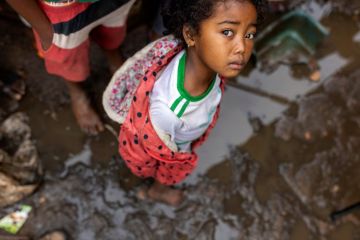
x,y
115,59
87,118
74,74
68,57
109,39
110,34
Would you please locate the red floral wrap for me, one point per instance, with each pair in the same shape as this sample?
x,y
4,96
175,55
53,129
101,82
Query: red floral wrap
x,y
139,145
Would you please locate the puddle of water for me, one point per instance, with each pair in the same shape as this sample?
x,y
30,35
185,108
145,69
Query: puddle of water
x,y
225,231
356,38
316,10
281,83
114,193
84,157
233,127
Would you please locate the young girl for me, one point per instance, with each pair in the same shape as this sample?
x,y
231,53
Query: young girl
x,y
167,96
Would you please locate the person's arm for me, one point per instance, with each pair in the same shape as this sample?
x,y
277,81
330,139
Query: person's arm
x,y
30,10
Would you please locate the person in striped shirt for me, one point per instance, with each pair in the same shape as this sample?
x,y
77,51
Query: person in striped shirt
x,y
63,29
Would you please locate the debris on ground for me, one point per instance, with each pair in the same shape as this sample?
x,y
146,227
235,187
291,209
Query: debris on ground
x,y
13,222
20,167
12,89
321,115
285,41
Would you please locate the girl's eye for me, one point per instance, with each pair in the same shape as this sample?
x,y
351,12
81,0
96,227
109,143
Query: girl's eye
x,y
250,35
228,33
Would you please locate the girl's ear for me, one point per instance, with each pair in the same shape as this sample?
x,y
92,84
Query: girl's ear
x,y
188,34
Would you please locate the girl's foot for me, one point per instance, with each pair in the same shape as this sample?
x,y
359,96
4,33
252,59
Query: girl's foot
x,y
87,118
162,193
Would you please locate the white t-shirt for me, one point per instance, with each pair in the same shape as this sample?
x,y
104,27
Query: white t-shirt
x,y
177,114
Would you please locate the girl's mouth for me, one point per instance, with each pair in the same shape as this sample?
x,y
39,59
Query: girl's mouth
x,y
237,65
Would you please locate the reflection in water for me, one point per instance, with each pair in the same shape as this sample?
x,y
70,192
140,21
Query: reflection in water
x,y
356,38
281,83
234,128
84,157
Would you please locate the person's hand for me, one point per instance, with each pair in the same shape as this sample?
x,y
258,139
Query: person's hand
x,y
46,37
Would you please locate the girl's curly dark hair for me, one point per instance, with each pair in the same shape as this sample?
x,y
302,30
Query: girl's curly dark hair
x,y
177,13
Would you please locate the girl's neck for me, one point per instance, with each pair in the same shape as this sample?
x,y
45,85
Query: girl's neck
x,y
198,76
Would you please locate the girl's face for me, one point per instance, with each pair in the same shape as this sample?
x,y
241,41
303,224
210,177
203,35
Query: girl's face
x,y
226,39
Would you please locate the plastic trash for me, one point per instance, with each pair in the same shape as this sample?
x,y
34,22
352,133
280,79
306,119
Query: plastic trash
x,y
293,38
13,222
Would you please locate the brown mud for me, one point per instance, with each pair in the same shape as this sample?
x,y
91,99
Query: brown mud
x,y
283,156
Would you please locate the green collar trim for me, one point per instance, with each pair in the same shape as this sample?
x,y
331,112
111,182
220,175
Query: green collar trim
x,y
181,80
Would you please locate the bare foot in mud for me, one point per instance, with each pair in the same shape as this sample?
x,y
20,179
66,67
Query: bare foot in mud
x,y
88,120
56,235
162,193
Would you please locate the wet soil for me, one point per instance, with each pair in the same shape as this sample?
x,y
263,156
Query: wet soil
x,y
283,156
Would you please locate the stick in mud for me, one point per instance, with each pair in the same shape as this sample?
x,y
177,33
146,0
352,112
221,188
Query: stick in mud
x,y
259,92
338,214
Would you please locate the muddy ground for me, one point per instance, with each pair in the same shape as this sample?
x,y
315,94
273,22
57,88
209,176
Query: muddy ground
x,y
284,155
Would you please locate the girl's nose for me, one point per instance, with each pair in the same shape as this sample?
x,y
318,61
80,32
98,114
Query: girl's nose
x,y
240,46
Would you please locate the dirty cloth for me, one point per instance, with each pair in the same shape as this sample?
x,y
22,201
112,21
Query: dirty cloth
x,y
68,56
126,100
